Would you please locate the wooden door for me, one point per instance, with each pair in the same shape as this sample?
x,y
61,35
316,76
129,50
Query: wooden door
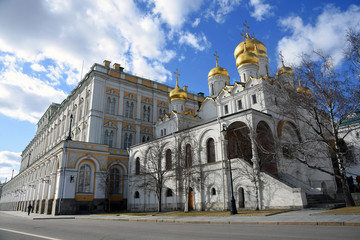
x,y
191,199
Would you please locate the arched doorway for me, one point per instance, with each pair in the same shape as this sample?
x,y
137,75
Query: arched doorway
x,y
241,198
265,148
191,199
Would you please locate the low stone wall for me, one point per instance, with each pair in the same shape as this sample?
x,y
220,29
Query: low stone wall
x,y
356,197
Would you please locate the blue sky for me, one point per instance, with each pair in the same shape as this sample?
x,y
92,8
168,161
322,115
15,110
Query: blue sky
x,y
43,45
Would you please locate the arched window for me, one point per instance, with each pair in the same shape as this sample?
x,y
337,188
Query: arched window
x,y
188,156
127,140
143,139
213,191
131,114
210,150
84,179
144,112
148,114
127,109
137,166
137,194
115,178
112,106
169,193
111,139
108,103
106,137
168,160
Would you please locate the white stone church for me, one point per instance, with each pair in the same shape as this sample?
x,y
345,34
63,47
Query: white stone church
x,y
93,151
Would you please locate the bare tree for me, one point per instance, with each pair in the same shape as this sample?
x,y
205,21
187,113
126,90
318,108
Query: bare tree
x,y
353,51
105,185
155,172
335,96
187,168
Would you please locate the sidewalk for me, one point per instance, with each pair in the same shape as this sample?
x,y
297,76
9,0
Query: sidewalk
x,y
300,217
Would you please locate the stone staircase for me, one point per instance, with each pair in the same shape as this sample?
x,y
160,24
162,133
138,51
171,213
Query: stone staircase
x,y
323,201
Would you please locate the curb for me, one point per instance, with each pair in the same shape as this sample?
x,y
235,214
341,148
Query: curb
x,y
51,218
349,224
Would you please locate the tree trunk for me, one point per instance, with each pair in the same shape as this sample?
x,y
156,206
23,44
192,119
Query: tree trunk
x,y
159,200
349,201
340,161
186,207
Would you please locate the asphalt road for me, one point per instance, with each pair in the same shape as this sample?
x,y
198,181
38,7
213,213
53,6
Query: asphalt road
x,y
12,227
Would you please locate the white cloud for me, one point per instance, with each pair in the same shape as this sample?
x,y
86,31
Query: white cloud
x,y
22,96
37,67
198,42
328,34
54,37
175,12
261,9
219,9
196,22
9,161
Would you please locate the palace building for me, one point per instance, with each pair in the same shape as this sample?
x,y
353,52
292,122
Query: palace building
x,y
105,146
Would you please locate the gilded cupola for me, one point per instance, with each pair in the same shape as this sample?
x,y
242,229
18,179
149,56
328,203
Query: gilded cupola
x,y
177,93
217,70
304,90
246,57
284,69
252,44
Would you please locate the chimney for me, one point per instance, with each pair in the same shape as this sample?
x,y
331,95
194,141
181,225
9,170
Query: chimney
x,y
107,63
116,66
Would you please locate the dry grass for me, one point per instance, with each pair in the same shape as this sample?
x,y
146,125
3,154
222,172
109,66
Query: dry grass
x,y
202,213
223,214
130,213
346,210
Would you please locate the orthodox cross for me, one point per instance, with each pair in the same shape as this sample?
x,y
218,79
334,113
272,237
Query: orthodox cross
x,y
243,35
247,27
282,58
177,76
217,57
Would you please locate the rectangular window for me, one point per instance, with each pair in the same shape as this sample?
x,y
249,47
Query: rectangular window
x,y
254,99
226,108
240,105
164,131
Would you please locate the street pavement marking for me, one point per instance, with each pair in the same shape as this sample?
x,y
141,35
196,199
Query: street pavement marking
x,y
29,234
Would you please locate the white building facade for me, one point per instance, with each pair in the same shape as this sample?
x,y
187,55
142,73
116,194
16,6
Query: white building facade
x,y
106,113
240,127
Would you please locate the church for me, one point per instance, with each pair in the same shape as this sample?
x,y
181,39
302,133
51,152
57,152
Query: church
x,y
238,145
123,142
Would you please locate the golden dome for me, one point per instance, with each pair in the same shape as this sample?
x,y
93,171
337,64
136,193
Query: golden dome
x,y
218,71
177,93
284,70
246,58
303,90
250,45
